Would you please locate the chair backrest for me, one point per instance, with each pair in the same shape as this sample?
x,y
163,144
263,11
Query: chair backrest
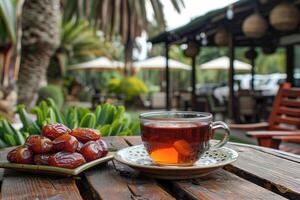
x,y
285,114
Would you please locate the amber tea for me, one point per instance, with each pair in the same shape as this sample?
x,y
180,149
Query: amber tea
x,y
179,137
175,143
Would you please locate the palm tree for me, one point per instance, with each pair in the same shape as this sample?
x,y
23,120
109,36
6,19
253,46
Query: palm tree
x,y
126,18
40,25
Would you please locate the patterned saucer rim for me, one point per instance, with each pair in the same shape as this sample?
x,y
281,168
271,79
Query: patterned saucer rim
x,y
120,154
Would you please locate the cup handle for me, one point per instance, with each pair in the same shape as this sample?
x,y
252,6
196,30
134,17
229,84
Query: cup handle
x,y
221,125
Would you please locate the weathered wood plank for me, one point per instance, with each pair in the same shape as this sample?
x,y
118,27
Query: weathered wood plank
x,y
3,153
117,181
27,187
246,147
290,102
133,140
274,173
221,185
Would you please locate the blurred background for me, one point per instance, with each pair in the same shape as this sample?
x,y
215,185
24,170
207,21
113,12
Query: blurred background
x,y
223,56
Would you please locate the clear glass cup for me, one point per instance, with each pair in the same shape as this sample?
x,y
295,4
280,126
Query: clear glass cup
x,y
179,137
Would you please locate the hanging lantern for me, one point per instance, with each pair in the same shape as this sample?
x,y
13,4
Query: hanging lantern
x,y
192,49
284,17
255,26
221,37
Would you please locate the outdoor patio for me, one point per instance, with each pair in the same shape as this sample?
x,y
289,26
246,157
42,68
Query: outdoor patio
x,y
150,99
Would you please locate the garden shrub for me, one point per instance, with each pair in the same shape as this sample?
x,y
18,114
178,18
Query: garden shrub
x,y
129,87
132,87
114,85
54,92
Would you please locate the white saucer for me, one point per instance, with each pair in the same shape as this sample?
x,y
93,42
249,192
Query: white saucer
x,y
137,158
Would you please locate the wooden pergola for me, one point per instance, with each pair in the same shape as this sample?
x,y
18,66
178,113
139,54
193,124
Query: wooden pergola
x,y
231,18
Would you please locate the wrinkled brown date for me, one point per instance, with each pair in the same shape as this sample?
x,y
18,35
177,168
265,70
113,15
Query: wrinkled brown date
x,y
93,150
86,134
39,144
66,160
53,131
21,155
65,142
41,159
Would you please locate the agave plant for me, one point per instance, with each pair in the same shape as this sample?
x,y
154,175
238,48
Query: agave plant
x,y
126,18
79,42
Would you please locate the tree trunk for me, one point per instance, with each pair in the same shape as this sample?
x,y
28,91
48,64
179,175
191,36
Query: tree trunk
x,y
128,68
40,25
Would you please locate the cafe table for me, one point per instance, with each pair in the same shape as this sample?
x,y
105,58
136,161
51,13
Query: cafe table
x,y
258,173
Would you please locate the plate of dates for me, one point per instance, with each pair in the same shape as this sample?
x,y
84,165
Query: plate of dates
x,y
58,150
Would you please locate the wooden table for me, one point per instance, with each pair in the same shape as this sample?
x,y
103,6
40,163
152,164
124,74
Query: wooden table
x,y
259,173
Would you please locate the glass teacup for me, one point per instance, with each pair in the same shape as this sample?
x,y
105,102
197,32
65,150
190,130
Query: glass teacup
x,y
179,137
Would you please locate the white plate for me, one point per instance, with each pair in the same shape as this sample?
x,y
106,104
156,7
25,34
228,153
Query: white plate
x,y
137,157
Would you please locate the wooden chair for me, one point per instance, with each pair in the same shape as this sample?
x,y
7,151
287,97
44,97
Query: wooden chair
x,y
284,120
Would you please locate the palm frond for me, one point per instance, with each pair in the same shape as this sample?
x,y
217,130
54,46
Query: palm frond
x,y
79,42
116,17
124,18
158,12
177,4
8,18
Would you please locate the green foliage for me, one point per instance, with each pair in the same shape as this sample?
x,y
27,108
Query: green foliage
x,y
273,63
132,87
79,42
129,87
114,85
127,19
54,92
7,21
123,15
110,120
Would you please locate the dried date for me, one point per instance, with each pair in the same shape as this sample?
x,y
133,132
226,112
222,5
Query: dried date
x,y
66,160
65,142
41,159
39,144
93,150
21,155
86,134
53,131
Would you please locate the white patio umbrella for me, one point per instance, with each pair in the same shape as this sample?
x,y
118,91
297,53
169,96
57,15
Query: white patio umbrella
x,y
222,63
98,64
159,63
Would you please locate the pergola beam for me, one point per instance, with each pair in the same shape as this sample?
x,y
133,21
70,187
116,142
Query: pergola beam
x,y
167,77
290,64
231,103
193,82
252,60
